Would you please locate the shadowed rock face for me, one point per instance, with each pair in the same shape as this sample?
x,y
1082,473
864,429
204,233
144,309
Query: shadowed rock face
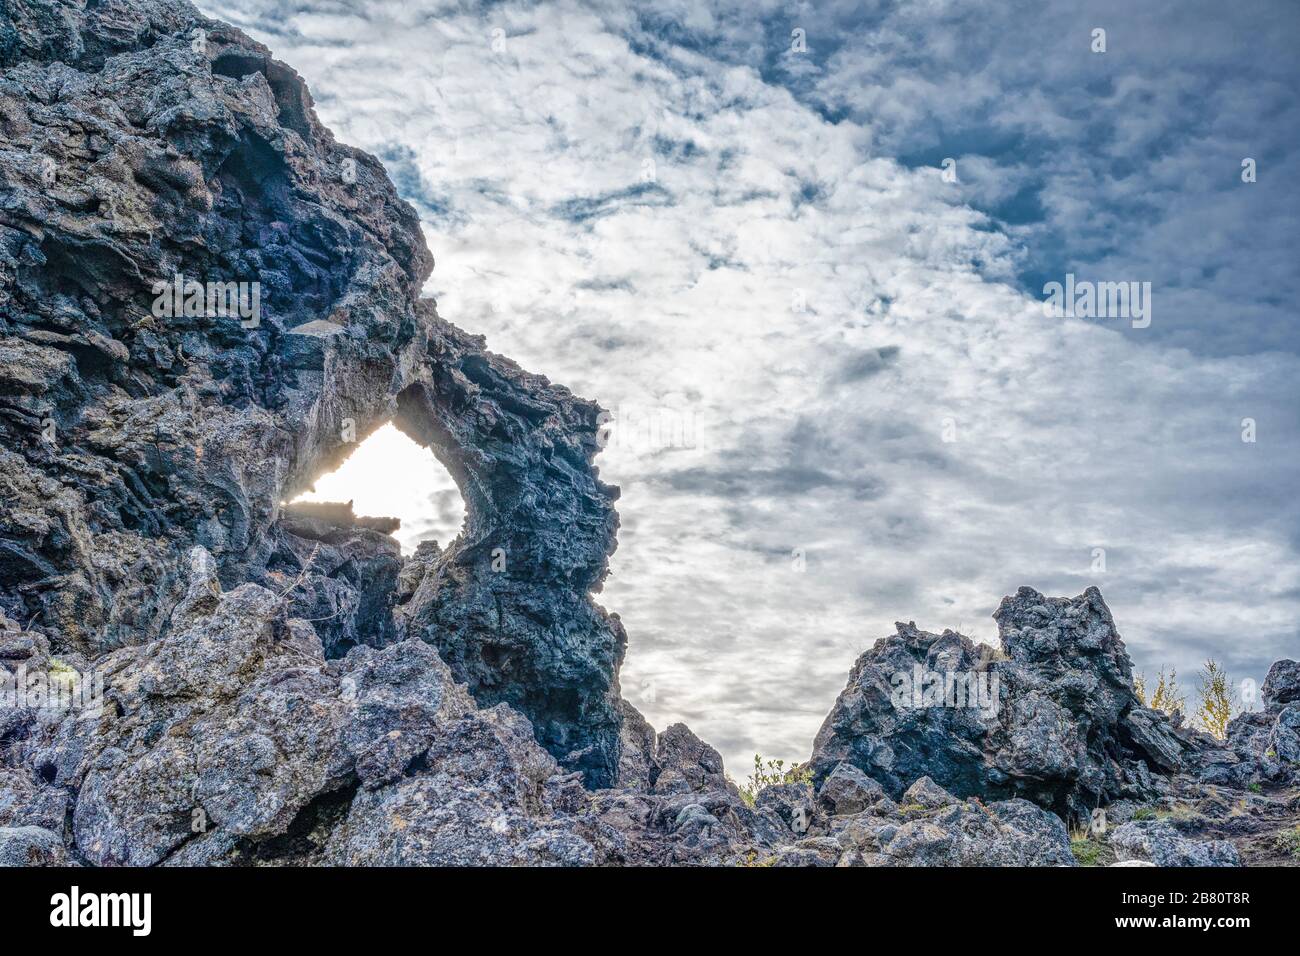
x,y
507,603
143,142
1062,725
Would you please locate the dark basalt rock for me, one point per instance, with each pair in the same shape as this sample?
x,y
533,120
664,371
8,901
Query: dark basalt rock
x,y
1063,727
311,519
847,790
135,152
144,142
1282,684
508,602
340,573
1158,842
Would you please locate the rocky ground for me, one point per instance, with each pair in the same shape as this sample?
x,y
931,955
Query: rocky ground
x,y
194,674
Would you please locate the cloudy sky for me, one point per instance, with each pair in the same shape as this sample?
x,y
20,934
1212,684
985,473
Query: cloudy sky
x,y
838,402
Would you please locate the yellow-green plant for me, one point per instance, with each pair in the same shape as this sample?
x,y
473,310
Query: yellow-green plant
x,y
1167,696
1215,690
63,674
1288,841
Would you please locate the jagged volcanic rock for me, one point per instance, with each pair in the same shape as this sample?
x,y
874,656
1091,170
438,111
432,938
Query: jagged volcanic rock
x,y
344,573
1063,726
1158,842
508,603
234,740
144,147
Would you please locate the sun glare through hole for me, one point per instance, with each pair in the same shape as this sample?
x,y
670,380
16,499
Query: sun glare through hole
x,y
389,475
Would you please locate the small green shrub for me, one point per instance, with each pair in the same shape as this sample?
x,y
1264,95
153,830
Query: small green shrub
x,y
769,772
1288,841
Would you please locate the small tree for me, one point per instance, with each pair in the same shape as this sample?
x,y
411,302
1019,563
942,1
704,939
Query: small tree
x,y
1167,696
1140,688
1215,691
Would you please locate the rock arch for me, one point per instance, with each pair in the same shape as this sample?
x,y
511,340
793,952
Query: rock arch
x,y
508,604
176,432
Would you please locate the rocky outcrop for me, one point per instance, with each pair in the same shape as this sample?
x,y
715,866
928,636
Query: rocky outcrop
x,y
205,301
143,143
508,602
1262,747
235,740
1052,718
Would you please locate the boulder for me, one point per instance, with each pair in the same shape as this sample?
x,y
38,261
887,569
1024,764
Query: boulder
x,y
928,794
1262,747
793,803
1282,683
31,846
1006,833
683,763
847,790
1159,843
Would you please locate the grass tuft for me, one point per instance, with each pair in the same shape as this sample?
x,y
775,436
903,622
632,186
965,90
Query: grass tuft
x,y
1288,841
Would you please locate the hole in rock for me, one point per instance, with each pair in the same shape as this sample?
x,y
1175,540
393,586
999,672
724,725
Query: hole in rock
x,y
391,476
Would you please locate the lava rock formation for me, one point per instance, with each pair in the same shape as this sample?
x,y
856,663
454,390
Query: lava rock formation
x,y
145,147
1066,729
205,302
